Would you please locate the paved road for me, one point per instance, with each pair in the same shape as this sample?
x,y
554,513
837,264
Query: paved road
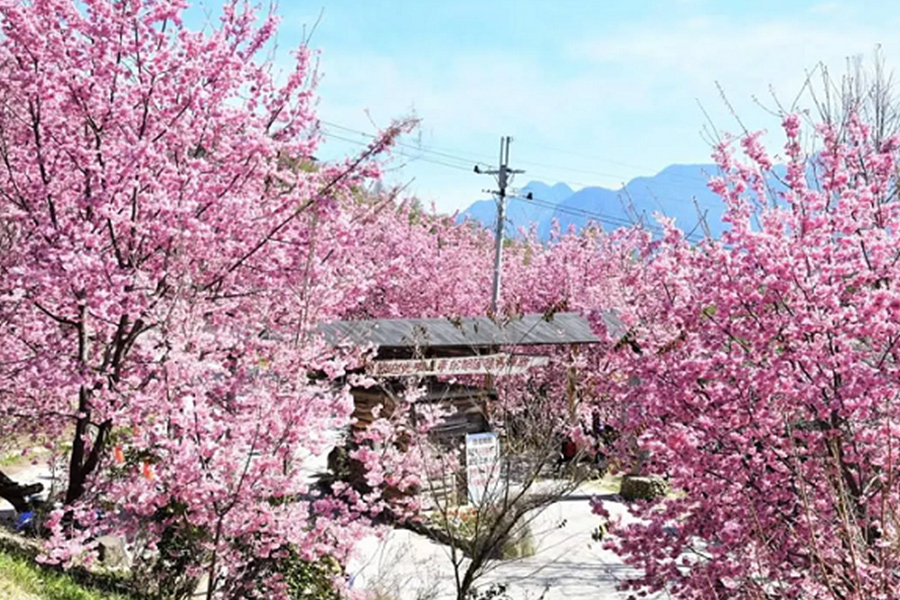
x,y
568,564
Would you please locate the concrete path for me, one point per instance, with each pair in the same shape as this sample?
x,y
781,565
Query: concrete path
x,y
568,564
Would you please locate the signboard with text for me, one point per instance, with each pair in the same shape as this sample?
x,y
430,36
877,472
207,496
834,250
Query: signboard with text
x,y
482,465
495,364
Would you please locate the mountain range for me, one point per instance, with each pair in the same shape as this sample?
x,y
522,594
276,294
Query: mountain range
x,y
672,192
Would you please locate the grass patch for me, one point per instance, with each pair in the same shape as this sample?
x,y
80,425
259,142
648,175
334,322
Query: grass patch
x,y
21,578
10,459
22,450
12,455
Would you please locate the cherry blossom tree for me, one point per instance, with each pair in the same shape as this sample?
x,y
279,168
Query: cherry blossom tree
x,y
762,379
169,243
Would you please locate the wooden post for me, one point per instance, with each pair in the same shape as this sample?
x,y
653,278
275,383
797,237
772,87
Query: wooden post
x,y
571,388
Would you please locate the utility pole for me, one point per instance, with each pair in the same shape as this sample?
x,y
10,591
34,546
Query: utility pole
x,y
504,177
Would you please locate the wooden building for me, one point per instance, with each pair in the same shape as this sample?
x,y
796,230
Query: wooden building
x,y
431,353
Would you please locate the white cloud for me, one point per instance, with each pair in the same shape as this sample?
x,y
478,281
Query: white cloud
x,y
746,58
630,96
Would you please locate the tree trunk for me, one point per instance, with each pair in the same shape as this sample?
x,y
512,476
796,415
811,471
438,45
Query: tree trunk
x,y
76,459
83,462
462,593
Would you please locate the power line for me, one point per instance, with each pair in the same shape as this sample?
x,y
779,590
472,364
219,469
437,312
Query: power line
x,y
578,212
470,157
601,160
464,160
607,219
467,158
400,152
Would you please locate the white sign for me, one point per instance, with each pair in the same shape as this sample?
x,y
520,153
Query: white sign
x,y
482,465
496,364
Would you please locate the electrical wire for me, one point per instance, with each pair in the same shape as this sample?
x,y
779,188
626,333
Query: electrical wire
x,y
608,219
467,159
472,157
691,180
399,152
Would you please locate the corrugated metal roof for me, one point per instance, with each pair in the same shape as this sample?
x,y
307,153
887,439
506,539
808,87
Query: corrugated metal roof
x,y
616,328
529,330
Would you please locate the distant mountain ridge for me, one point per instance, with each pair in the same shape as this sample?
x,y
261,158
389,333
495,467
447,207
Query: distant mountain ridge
x,y
671,192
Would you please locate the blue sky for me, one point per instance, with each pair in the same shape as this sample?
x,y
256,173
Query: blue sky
x,y
593,92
